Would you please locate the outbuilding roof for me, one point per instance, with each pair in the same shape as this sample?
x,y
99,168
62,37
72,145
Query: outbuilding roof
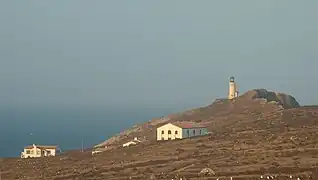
x,y
41,147
188,125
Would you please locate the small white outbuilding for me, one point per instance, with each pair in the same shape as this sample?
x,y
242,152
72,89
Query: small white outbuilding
x,y
133,142
180,130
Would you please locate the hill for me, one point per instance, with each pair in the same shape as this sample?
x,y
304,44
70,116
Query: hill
x,y
219,115
258,133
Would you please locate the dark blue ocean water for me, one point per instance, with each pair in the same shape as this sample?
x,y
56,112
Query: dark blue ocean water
x,y
65,127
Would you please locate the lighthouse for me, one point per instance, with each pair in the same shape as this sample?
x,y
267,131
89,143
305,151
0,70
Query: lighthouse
x,y
233,93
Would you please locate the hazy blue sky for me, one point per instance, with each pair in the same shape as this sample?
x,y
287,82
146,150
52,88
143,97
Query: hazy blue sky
x,y
176,54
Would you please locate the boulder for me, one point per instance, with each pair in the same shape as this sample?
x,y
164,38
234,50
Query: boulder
x,y
287,101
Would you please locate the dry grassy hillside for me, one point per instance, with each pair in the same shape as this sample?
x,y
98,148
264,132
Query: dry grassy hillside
x,y
222,115
250,137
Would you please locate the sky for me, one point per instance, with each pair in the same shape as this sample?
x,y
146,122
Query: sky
x,y
154,54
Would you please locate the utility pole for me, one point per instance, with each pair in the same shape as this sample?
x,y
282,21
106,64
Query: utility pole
x,y
82,147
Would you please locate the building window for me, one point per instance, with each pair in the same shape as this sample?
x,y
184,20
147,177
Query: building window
x,y
176,132
27,151
31,151
200,132
169,132
193,131
38,152
188,132
162,138
162,132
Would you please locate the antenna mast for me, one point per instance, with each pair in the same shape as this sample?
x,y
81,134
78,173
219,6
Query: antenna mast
x,y
82,147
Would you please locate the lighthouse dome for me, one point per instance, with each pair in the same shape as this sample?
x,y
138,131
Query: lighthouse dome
x,y
232,79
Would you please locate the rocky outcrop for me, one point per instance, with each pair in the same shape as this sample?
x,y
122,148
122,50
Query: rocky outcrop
x,y
287,101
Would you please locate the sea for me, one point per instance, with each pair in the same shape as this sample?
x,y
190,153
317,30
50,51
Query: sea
x,y
68,128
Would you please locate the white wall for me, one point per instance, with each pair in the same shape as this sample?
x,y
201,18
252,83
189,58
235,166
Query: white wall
x,y
129,143
36,152
181,133
232,90
165,135
53,151
33,152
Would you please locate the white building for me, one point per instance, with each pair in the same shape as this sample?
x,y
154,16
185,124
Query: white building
x,y
133,142
38,151
180,130
98,150
233,90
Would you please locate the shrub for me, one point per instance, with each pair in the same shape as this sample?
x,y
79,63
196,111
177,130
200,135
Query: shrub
x,y
180,150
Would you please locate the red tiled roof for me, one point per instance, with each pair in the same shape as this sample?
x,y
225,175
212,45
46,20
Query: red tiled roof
x,y
41,147
187,125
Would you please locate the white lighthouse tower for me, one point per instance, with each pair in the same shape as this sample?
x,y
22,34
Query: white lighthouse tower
x,y
233,93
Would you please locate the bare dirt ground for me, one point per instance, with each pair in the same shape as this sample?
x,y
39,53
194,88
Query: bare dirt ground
x,y
248,139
